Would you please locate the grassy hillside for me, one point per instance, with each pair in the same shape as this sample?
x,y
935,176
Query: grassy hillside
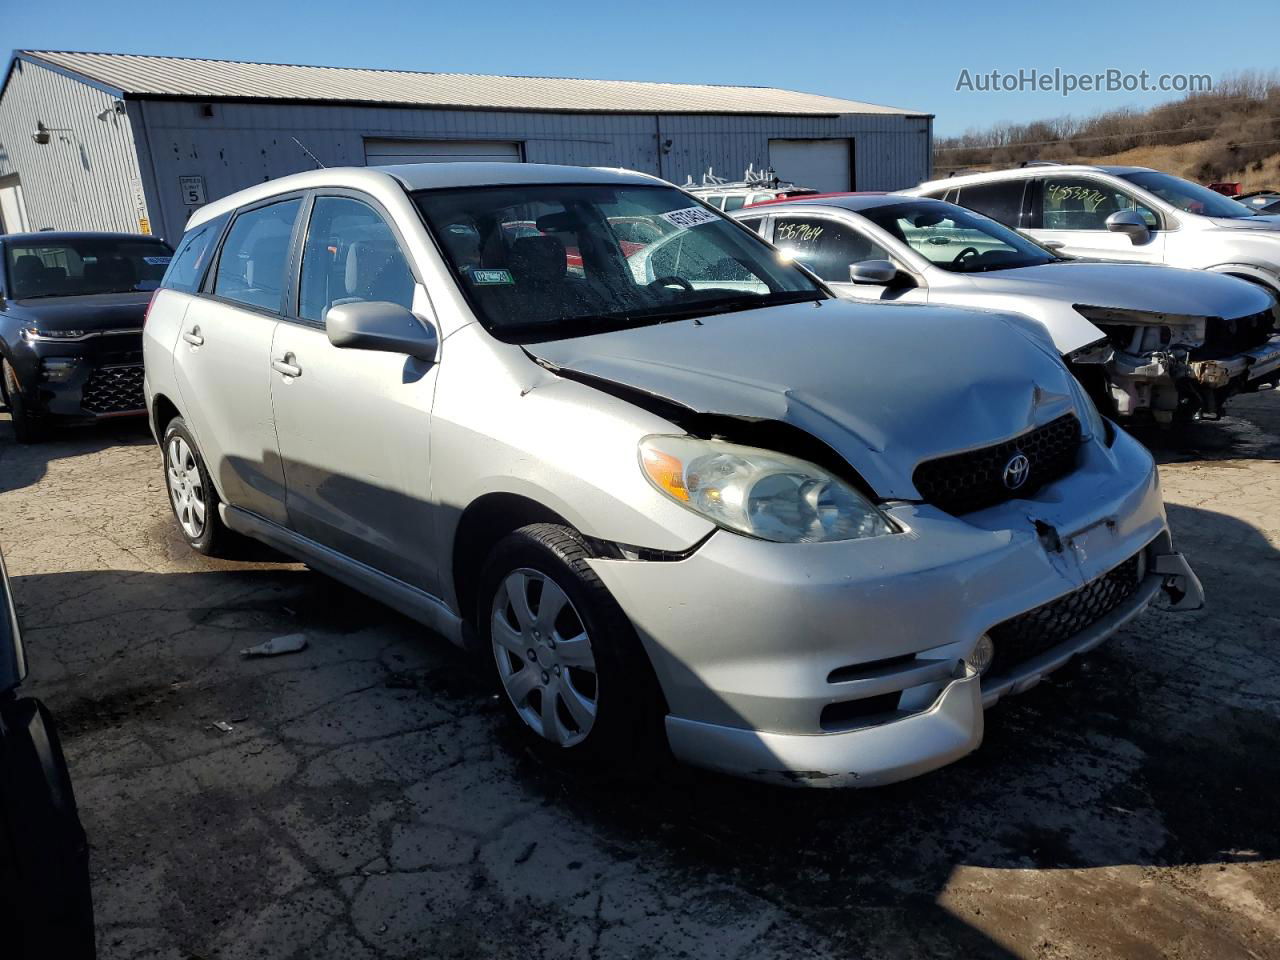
x,y
1232,133
1187,160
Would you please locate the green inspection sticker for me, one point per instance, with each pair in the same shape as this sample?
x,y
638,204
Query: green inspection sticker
x,y
491,276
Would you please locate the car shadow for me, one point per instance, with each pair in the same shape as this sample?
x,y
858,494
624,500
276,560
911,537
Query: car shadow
x,y
24,465
1249,430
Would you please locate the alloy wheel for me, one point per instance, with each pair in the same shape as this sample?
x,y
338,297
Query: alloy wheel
x,y
544,657
186,488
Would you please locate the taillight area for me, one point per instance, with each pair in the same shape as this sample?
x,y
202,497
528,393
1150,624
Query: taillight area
x,y
150,303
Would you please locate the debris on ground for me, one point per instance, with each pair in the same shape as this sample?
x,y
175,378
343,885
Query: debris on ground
x,y
289,643
223,726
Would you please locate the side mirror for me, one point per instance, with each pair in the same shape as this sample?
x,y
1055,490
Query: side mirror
x,y
1054,245
879,272
379,325
1131,224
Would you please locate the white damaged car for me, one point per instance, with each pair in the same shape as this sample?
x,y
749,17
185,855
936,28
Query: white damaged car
x,y
1141,337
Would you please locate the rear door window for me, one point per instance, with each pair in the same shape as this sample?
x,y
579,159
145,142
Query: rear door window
x,y
251,267
1000,201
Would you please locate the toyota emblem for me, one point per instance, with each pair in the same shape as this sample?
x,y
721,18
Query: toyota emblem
x,y
1016,471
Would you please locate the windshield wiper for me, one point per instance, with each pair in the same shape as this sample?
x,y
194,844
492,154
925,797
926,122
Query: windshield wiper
x,y
707,308
610,322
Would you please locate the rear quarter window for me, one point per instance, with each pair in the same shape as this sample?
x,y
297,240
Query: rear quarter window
x,y
187,267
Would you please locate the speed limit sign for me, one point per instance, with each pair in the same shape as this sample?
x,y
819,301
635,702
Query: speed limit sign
x,y
192,190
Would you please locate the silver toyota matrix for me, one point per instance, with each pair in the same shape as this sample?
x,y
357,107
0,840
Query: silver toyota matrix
x,y
676,494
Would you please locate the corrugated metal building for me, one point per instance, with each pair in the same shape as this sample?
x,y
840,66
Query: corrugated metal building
x,y
123,142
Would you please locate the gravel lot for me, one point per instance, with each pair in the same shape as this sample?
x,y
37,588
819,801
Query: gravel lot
x,y
369,801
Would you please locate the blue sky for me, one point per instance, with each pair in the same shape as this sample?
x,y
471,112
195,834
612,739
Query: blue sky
x,y
861,51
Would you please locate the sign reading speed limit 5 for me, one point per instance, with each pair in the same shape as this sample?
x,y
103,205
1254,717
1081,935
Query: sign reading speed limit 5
x,y
192,190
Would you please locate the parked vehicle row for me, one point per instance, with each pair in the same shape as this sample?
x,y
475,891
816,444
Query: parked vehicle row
x,y
1141,337
676,493
1137,214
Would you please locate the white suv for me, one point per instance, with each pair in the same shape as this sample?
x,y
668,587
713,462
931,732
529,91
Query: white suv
x,y
1124,213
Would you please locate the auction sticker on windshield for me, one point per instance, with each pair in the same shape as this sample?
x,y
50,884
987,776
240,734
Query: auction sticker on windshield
x,y
491,276
689,217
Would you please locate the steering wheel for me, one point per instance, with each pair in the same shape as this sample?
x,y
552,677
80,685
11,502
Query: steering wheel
x,y
661,283
966,252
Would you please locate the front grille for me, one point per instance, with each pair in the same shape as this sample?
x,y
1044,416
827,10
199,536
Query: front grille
x,y
976,479
1226,338
113,390
1032,633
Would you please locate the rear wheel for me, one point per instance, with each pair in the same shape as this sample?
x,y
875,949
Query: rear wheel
x,y
573,672
191,493
27,427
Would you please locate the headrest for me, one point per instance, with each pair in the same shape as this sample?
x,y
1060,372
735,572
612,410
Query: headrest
x,y
358,256
113,270
265,269
28,267
859,248
538,259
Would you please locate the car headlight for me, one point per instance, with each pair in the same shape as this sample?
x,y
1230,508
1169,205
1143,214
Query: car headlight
x,y
758,492
1093,420
35,334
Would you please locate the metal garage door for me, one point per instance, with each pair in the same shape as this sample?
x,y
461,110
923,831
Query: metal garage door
x,y
378,152
824,164
13,213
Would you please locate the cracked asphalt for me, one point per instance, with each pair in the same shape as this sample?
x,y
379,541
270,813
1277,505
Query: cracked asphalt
x,y
369,800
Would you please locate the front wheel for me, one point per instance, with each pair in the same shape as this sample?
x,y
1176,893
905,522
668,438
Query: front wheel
x,y
191,494
573,672
27,427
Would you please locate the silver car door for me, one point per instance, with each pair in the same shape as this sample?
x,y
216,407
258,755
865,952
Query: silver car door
x,y
830,245
1073,210
223,353
354,425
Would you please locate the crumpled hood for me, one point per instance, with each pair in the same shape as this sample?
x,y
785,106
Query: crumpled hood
x,y
884,385
105,311
1132,286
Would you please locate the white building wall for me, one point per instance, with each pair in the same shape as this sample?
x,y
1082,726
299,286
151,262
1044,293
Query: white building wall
x,y
86,177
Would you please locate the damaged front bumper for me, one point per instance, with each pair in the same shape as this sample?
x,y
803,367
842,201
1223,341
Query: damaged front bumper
x,y
846,664
1256,364
1182,368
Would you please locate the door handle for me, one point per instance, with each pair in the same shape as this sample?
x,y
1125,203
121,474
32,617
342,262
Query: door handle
x,y
287,366
193,337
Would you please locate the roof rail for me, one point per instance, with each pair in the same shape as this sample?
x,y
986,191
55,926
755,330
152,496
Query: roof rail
x,y
1041,163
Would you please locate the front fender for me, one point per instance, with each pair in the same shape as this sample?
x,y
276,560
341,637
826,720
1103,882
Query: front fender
x,y
1264,276
503,424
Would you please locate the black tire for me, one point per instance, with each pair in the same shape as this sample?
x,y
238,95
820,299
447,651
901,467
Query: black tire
x,y
213,539
27,427
627,736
